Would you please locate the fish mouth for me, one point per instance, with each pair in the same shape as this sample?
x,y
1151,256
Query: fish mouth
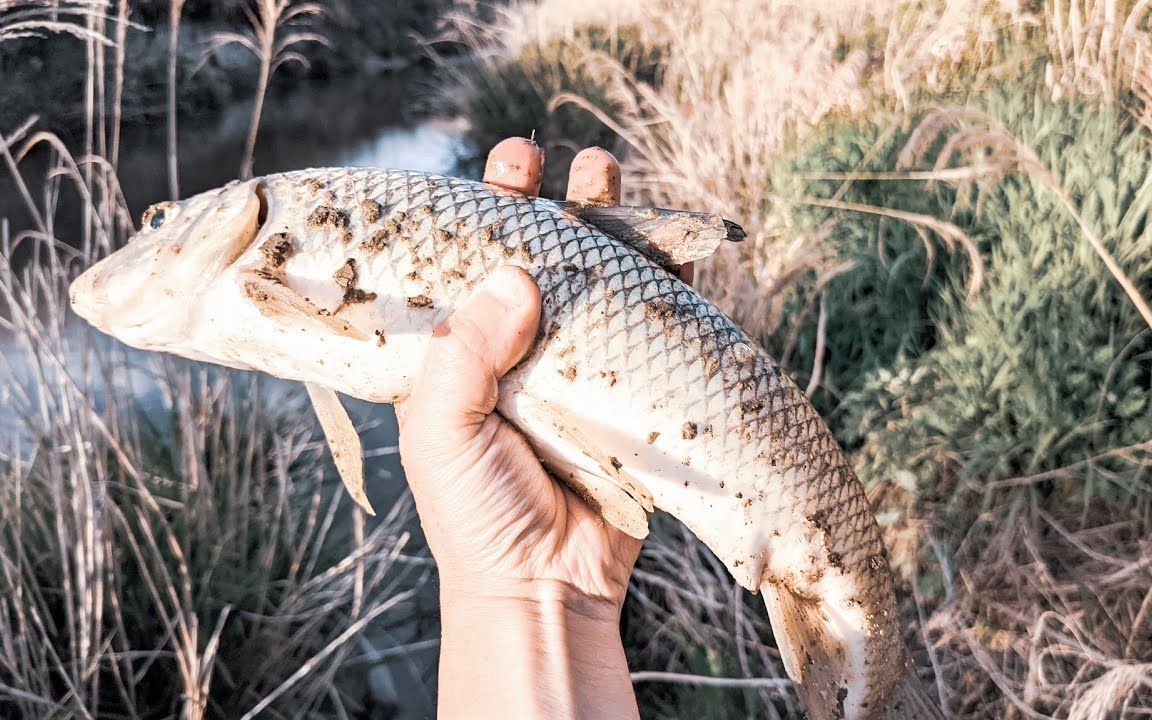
x,y
87,296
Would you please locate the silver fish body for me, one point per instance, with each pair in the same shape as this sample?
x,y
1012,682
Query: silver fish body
x,y
638,392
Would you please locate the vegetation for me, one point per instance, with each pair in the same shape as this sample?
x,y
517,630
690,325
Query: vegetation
x,y
171,543
274,42
512,95
949,248
947,203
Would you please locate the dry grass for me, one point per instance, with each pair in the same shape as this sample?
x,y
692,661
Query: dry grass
x,y
171,543
276,27
1101,49
1051,619
1038,609
38,18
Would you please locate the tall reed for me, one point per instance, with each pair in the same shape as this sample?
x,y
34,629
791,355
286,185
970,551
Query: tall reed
x,y
172,543
175,8
273,34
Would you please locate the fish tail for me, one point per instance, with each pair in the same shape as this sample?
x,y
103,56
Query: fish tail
x,y
911,702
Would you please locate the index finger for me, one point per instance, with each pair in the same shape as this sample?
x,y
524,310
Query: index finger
x,y
515,164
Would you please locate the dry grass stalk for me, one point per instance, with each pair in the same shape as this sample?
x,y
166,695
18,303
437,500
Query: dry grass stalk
x,y
706,680
272,38
175,8
37,18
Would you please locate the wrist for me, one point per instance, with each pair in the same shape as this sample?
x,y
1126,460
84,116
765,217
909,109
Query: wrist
x,y
539,598
538,648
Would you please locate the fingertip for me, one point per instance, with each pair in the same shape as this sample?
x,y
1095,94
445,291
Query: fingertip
x,y
687,272
594,177
516,164
513,286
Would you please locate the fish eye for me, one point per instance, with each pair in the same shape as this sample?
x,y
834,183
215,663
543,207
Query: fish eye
x,y
155,216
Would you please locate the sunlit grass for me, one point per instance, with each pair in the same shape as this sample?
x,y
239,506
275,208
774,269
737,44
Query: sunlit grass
x,y
947,206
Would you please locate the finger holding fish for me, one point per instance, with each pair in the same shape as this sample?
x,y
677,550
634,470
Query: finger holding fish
x,y
516,164
594,177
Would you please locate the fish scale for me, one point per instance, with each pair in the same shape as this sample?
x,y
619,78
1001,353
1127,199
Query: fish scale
x,y
637,392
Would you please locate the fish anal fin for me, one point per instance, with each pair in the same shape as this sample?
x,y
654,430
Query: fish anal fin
x,y
343,441
598,478
277,301
813,656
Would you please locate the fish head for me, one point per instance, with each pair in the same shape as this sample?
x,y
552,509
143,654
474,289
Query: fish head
x,y
147,293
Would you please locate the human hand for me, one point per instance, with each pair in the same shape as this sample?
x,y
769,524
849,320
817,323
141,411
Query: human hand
x,y
532,579
494,518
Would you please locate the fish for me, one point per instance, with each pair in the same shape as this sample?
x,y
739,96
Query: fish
x,y
638,392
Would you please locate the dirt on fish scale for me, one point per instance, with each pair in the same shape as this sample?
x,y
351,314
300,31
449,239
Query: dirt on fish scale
x,y
654,352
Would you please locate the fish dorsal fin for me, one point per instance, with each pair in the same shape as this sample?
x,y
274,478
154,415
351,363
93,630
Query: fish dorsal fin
x,y
668,237
343,441
599,479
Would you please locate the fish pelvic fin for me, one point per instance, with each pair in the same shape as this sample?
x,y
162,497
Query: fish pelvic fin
x,y
598,479
343,441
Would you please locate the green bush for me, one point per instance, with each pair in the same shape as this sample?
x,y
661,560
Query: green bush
x,y
1048,365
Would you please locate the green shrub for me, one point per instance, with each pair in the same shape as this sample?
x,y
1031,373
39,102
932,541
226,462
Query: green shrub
x,y
1048,365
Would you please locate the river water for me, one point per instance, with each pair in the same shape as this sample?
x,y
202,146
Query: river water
x,y
363,121
367,122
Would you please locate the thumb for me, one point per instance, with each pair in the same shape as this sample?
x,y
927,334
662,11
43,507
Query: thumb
x,y
468,354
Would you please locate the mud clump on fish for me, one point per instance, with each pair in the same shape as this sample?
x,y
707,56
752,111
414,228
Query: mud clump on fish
x,y
371,211
277,249
346,278
328,217
376,242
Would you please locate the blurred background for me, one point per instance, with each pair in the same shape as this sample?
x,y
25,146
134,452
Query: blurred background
x,y
947,206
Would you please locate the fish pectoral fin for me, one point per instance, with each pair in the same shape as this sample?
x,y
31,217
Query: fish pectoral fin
x,y
277,301
668,237
812,654
343,441
599,479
